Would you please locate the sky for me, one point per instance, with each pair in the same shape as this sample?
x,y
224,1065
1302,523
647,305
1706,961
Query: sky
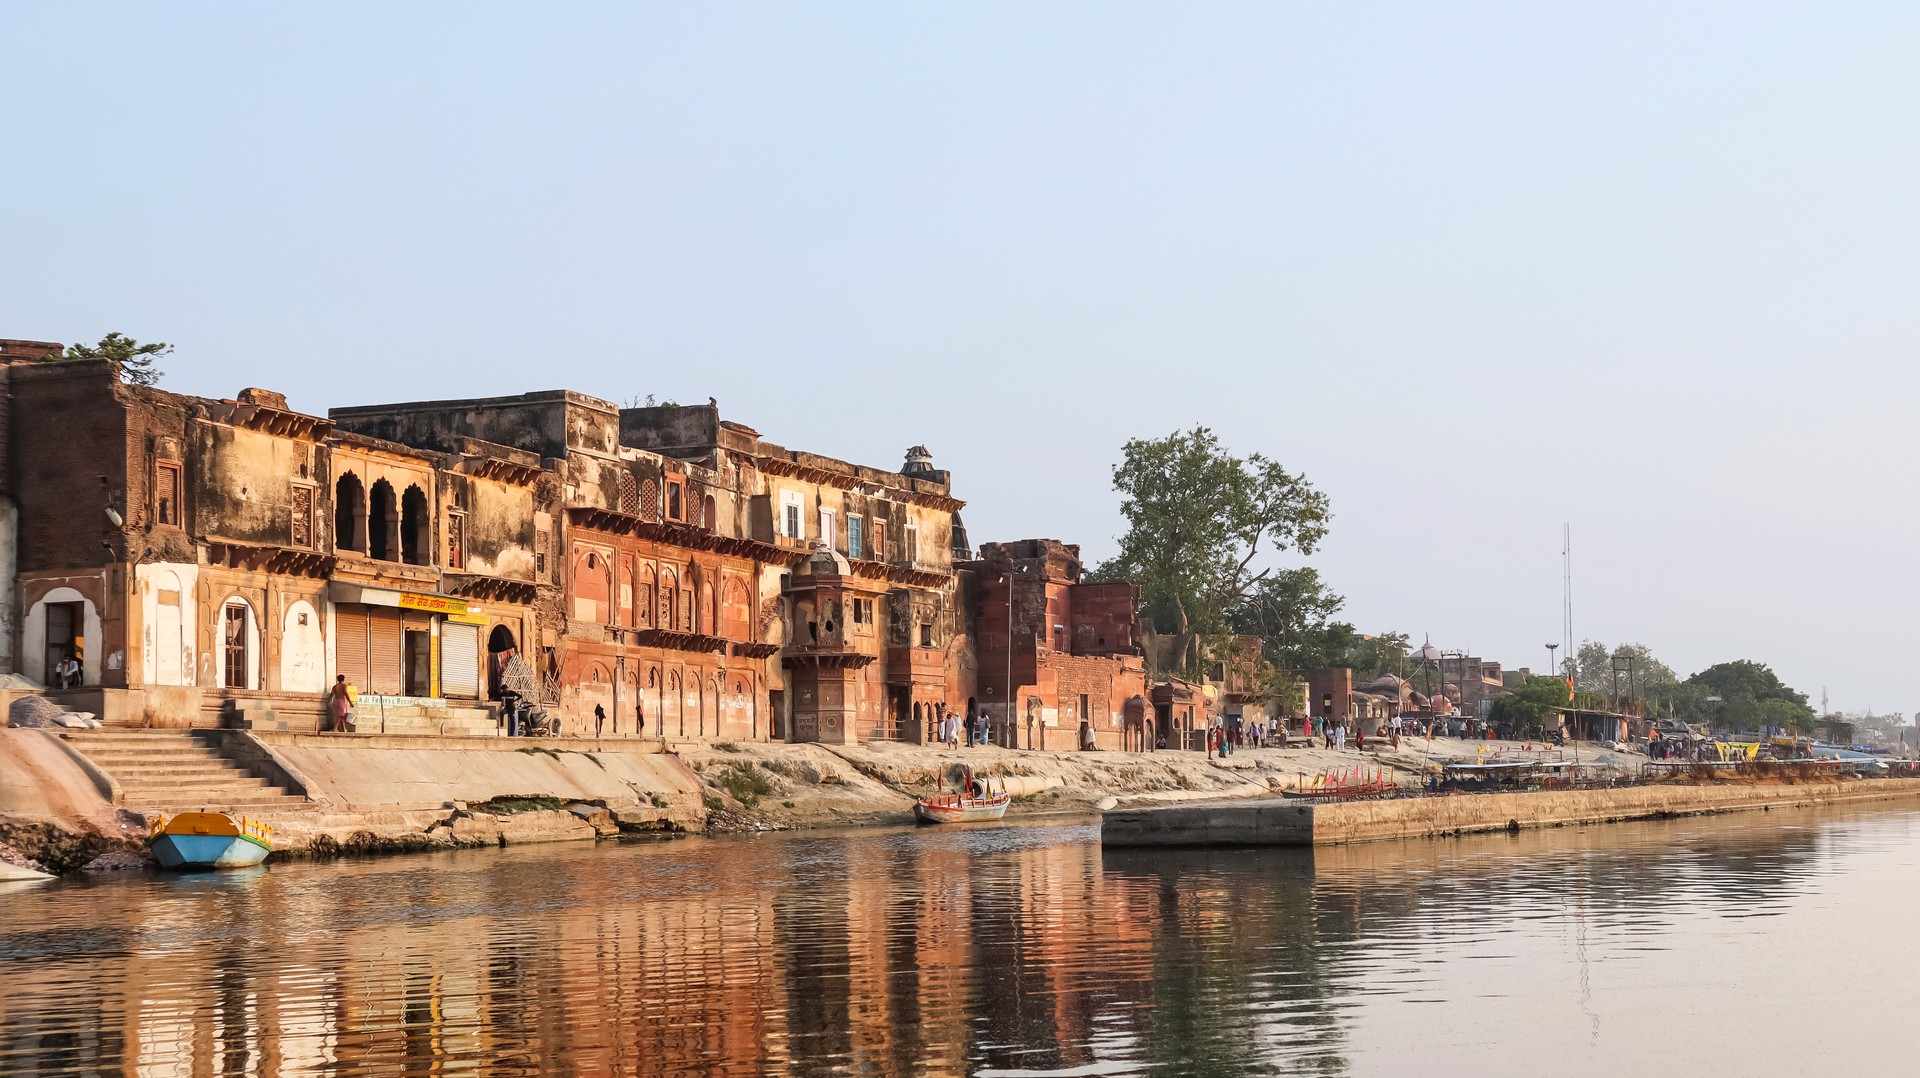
x,y
1476,270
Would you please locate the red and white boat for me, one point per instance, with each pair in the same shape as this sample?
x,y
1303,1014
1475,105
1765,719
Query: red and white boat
x,y
975,803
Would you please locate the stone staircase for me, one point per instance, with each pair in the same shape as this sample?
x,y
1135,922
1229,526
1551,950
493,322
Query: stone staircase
x,y
173,771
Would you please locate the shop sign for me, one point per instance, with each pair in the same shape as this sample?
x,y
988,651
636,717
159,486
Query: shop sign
x,y
433,604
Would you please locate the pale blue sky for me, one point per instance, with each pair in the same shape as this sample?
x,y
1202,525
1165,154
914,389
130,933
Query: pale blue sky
x,y
1476,269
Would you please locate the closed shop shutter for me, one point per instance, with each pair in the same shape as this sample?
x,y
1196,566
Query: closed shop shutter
x,y
384,650
350,645
460,660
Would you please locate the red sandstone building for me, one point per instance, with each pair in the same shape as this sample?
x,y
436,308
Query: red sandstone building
x,y
1068,647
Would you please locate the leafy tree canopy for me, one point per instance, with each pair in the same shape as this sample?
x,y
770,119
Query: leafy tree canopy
x,y
1532,704
1200,523
1292,614
1749,694
1593,667
1371,656
134,359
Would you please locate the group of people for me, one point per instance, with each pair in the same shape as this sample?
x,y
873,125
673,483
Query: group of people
x,y
1334,733
974,726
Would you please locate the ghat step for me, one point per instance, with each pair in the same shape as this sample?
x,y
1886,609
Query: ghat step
x,y
175,771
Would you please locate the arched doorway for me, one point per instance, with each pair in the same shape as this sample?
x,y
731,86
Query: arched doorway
x,y
500,649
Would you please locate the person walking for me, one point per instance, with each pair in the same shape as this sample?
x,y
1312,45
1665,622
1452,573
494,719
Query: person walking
x,y
639,719
599,719
340,703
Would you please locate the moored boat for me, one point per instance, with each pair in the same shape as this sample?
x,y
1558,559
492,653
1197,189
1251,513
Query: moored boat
x,y
974,803
210,840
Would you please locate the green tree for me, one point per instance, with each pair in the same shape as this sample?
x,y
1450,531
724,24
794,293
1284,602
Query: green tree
x,y
1292,614
1200,521
1740,694
1592,669
1530,706
135,360
1371,656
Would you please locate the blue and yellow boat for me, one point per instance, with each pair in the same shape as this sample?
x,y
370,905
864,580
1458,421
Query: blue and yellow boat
x,y
210,840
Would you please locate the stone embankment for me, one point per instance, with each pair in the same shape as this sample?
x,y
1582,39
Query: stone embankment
x,y
1274,822
69,798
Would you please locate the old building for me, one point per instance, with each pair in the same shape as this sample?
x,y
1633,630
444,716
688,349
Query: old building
x,y
1473,678
1062,651
713,584
205,558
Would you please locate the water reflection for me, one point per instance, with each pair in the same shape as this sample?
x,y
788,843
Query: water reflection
x,y
1000,952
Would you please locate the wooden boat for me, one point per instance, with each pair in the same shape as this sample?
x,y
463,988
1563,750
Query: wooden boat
x,y
210,840
973,804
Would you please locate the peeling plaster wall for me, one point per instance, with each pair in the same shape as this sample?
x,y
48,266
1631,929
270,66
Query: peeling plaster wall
x,y
169,619
242,483
500,533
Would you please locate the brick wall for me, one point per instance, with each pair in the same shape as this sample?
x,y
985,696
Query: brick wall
x,y
1320,683
69,450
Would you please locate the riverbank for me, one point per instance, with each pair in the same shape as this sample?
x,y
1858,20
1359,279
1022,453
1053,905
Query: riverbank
x,y
1272,822
362,794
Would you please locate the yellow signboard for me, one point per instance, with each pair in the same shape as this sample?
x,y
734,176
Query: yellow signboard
x,y
436,604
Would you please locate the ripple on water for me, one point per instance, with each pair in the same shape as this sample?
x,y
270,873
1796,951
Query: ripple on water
x,y
1004,951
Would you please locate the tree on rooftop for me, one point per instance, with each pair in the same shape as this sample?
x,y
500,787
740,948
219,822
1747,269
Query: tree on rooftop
x,y
134,360
1199,522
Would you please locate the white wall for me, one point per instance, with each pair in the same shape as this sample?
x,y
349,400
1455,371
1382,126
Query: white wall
x,y
303,651
169,632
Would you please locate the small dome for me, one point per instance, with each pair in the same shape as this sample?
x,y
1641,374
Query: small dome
x,y
825,562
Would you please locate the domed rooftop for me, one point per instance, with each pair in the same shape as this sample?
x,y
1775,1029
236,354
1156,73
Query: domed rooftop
x,y
824,561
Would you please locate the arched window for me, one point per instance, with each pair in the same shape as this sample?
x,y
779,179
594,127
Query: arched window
x,y
415,544
629,494
349,513
669,593
650,500
383,523
709,516
643,608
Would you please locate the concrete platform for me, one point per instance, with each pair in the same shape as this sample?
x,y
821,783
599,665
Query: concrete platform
x,y
1278,822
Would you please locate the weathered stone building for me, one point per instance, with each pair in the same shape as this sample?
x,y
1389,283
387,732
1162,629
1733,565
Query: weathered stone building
x,y
211,561
200,557
1068,646
717,585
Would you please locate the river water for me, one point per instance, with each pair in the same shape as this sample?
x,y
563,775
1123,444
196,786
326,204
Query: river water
x,y
1776,943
